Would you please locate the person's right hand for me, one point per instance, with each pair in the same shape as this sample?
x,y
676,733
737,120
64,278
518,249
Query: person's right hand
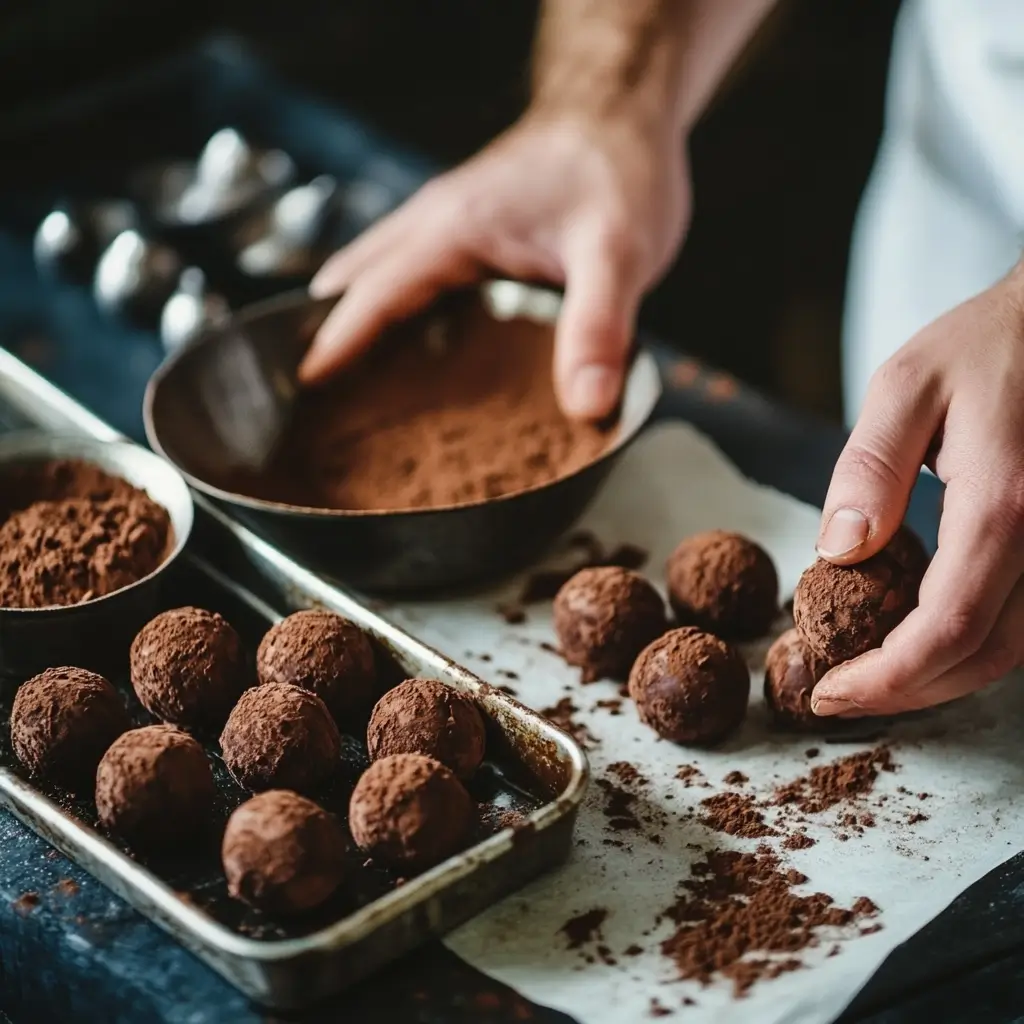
x,y
597,206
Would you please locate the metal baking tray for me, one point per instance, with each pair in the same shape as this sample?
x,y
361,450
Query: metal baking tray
x,y
533,770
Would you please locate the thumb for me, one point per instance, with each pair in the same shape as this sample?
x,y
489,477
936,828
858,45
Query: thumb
x,y
877,469
595,332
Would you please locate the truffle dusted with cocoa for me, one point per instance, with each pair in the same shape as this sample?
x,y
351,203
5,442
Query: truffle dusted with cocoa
x,y
410,812
154,788
188,668
842,611
690,687
790,673
604,617
282,853
724,583
424,716
324,653
61,723
280,737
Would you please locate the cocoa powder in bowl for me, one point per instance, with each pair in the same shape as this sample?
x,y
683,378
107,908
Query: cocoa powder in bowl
x,y
70,532
433,416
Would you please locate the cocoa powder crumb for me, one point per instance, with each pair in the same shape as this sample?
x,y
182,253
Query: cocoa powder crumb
x,y
561,714
658,1010
689,775
916,817
67,887
829,784
585,927
864,907
738,905
633,950
513,614
618,808
735,814
735,778
811,752
798,841
628,773
613,705
26,903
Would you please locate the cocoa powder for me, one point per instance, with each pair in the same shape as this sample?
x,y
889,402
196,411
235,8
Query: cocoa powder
x,y
739,918
584,928
829,784
432,416
70,532
735,814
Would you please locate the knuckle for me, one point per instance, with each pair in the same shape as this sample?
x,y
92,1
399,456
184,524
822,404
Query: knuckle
x,y
868,465
996,659
901,373
962,631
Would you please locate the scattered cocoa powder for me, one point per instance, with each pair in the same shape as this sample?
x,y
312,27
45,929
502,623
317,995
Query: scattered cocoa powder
x,y
26,903
811,752
633,950
735,814
628,773
656,1009
67,887
584,928
798,841
619,807
829,784
69,533
613,705
864,907
561,714
737,914
690,775
735,778
916,817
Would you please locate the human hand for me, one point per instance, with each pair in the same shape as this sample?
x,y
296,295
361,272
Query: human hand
x,y
597,206
953,399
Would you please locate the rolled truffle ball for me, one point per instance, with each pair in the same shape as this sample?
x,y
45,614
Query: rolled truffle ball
x,y
280,737
188,667
154,788
724,583
842,611
423,716
282,853
690,687
325,654
61,723
410,811
791,671
604,618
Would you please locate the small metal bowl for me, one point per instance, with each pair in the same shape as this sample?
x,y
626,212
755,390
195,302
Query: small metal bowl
x,y
95,634
390,551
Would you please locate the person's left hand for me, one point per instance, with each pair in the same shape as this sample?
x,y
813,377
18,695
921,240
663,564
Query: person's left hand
x,y
953,399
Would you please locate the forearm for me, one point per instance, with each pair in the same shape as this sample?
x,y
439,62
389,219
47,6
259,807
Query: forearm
x,y
658,61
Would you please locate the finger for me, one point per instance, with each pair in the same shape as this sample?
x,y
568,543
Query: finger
x,y
879,466
595,329
341,268
978,563
392,290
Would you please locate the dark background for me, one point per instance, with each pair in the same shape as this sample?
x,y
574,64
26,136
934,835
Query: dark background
x,y
779,161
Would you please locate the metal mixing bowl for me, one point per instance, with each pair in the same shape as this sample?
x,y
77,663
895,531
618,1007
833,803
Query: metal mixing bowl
x,y
390,551
95,634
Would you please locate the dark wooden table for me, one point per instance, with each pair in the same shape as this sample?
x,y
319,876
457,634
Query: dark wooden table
x,y
71,952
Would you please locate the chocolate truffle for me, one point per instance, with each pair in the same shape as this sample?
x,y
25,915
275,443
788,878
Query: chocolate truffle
x,y
188,667
282,853
410,812
324,653
423,716
61,723
690,687
843,611
604,618
791,671
280,737
154,788
725,584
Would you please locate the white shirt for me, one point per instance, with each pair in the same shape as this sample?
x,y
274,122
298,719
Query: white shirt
x,y
942,217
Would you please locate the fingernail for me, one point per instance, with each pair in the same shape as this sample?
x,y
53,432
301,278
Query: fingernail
x,y
843,533
592,392
826,706
318,287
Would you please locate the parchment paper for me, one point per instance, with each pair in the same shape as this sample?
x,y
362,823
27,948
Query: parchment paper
x,y
967,757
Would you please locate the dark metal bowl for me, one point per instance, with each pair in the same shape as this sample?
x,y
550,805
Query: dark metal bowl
x,y
394,551
95,634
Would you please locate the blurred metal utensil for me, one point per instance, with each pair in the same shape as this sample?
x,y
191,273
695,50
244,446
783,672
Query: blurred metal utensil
x,y
191,310
135,277
70,238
